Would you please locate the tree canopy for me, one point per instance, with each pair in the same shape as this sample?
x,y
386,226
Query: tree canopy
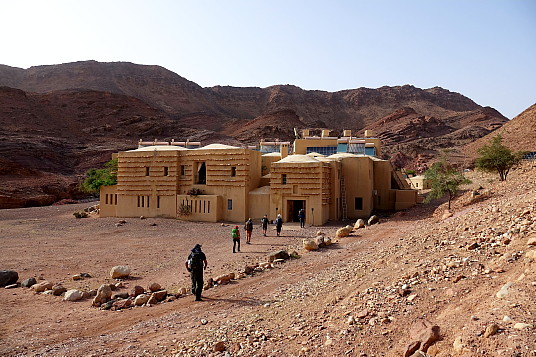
x,y
495,157
95,178
444,179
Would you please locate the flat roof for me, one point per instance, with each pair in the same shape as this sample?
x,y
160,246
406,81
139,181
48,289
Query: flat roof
x,y
159,148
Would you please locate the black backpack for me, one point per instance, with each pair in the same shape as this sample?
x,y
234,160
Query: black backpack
x,y
195,260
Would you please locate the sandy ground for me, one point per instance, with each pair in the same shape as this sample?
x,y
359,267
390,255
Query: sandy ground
x,y
301,307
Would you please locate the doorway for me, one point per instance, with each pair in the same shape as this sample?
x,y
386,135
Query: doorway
x,y
293,208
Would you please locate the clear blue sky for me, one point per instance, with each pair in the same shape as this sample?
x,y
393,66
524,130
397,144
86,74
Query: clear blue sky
x,y
484,49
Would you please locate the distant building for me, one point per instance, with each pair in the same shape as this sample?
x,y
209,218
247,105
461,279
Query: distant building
x,y
331,178
419,182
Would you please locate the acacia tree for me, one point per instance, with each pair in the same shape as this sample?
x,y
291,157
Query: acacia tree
x,y
496,157
444,179
95,178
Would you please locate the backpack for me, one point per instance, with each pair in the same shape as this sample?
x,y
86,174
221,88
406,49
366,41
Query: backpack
x,y
195,260
234,233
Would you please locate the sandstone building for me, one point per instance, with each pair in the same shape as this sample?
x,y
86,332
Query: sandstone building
x,y
331,178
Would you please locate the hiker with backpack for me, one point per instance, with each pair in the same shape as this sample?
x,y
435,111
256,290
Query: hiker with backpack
x,y
264,223
278,224
195,264
235,233
249,230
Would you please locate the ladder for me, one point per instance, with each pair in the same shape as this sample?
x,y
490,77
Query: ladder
x,y
343,200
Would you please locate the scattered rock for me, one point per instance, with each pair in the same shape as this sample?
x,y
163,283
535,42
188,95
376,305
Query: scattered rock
x,y
280,254
141,299
504,290
458,344
104,293
249,269
423,334
137,290
8,277
120,271
309,244
42,286
122,304
359,224
11,286
122,295
89,294
521,326
58,289
154,287
491,330
223,279
77,277
343,232
373,220
27,283
320,241
80,214
473,246
152,300
531,241
159,295
507,318
73,295
219,346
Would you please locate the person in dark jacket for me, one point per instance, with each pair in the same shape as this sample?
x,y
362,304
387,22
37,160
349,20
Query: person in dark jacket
x,y
264,223
301,215
195,264
249,230
278,224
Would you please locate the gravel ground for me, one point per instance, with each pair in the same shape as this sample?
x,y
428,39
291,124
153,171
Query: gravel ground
x,y
361,296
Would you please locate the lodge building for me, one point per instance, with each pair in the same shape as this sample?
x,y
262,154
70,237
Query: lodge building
x,y
332,178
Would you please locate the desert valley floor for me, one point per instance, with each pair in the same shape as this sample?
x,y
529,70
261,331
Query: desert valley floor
x,y
373,293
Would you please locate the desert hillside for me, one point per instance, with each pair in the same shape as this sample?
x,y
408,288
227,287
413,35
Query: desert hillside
x,y
421,281
519,134
58,120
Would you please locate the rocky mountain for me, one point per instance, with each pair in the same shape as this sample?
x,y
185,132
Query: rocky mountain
x,y
59,120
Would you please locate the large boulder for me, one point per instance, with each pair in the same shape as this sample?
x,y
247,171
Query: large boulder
x,y
122,304
8,277
120,271
310,244
320,241
27,283
42,286
73,295
359,224
343,232
104,294
280,254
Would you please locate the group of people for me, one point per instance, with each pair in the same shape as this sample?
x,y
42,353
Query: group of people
x,y
197,261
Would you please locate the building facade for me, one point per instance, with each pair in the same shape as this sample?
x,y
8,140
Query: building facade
x,y
345,180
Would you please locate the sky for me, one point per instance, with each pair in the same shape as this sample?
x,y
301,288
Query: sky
x,y
483,49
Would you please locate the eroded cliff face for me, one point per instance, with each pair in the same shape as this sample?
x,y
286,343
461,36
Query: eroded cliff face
x,y
58,121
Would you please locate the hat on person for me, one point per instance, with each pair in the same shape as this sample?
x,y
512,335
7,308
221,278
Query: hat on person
x,y
236,226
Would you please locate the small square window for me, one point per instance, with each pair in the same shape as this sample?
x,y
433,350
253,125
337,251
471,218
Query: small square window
x,y
284,179
229,205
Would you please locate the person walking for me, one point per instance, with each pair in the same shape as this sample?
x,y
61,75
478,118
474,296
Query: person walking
x,y
235,233
264,223
249,229
301,215
278,224
195,264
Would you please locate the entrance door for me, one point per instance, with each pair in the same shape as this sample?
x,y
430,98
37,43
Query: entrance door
x,y
293,207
